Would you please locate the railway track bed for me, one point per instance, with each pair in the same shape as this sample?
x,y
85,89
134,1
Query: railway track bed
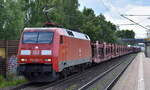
x,y
107,79
99,77
25,86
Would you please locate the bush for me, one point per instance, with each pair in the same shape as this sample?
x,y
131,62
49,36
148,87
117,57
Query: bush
x,y
10,82
1,78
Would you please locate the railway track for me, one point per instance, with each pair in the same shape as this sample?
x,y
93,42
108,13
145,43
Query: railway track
x,y
83,80
75,82
28,86
108,82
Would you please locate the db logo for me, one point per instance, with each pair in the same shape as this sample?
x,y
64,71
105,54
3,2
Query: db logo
x,y
36,52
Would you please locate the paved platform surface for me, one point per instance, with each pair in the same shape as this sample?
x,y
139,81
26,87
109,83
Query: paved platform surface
x,y
137,75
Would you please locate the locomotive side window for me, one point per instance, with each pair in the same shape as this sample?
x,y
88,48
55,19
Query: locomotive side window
x,y
70,33
61,40
86,37
38,37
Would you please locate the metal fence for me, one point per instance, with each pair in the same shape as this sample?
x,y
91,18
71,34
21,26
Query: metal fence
x,y
2,67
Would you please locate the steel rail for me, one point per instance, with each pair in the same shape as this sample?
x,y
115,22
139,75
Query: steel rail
x,y
18,87
97,78
62,81
74,76
87,85
59,82
118,76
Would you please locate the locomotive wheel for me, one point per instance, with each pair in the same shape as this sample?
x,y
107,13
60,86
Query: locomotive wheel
x,y
64,73
82,67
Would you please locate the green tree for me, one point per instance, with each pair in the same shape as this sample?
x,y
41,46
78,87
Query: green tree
x,y
11,20
64,12
97,27
126,34
88,26
2,18
107,32
17,14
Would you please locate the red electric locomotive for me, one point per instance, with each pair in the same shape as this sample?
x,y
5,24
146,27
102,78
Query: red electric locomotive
x,y
46,53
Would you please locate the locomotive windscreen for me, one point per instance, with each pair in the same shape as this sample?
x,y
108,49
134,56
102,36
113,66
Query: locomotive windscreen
x,y
38,37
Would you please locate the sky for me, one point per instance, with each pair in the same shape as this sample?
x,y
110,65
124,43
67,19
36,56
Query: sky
x,y
112,9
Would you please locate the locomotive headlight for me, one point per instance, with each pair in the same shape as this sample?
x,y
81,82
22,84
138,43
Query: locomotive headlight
x,y
46,52
25,52
49,60
23,60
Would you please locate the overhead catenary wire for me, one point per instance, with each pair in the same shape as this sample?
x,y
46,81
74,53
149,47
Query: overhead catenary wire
x,y
135,15
134,22
126,24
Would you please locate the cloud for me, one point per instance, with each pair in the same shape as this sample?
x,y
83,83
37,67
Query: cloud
x,y
95,5
131,9
113,8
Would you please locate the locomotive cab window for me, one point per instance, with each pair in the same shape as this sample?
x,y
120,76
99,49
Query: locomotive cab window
x,y
38,37
45,37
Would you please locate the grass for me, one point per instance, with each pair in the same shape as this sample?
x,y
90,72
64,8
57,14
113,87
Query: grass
x,y
72,87
11,81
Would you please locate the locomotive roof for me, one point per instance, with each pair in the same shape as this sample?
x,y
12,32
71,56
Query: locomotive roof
x,y
63,31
